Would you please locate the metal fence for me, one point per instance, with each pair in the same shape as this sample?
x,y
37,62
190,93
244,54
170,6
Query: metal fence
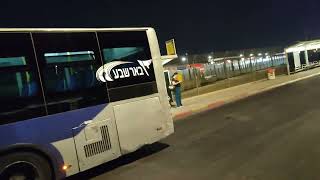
x,y
200,78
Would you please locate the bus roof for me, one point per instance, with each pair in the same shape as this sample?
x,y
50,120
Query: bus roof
x,y
71,29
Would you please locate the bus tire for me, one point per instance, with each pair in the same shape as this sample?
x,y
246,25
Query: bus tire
x,y
24,165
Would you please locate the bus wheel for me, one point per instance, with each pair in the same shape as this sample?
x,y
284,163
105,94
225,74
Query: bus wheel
x,y
24,166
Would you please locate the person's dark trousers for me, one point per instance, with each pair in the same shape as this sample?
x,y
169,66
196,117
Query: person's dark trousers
x,y
178,96
170,95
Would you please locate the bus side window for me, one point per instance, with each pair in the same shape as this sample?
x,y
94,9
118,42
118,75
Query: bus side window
x,y
133,49
68,62
20,92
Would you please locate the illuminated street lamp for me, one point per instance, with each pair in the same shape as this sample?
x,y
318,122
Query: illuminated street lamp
x,y
241,55
260,54
251,55
185,59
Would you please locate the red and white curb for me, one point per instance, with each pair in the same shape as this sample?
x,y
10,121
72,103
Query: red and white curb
x,y
201,108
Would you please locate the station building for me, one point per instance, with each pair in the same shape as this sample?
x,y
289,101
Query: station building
x,y
303,55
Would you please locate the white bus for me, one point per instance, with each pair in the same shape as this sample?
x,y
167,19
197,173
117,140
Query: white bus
x,y
72,99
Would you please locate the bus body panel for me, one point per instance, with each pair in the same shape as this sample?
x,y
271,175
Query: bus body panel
x,y
97,141
134,121
161,84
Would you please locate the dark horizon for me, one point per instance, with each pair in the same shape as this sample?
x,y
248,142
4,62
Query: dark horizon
x,y
199,27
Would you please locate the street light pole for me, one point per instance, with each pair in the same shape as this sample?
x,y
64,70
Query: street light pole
x,y
195,73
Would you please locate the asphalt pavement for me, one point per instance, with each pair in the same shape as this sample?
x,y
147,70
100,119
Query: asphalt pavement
x,y
270,136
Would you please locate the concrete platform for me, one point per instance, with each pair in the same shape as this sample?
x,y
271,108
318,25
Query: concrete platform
x,y
219,98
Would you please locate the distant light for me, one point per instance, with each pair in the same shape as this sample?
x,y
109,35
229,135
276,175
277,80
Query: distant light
x,y
241,55
259,54
183,59
209,57
266,54
229,61
211,62
251,55
242,59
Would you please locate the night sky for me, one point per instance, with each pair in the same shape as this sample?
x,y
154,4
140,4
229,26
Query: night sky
x,y
198,26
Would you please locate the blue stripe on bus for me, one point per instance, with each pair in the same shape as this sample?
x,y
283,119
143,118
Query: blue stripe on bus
x,y
47,129
43,131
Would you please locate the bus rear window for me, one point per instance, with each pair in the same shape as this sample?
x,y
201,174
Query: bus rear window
x,y
12,61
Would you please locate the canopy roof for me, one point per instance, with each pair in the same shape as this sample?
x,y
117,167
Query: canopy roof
x,y
303,46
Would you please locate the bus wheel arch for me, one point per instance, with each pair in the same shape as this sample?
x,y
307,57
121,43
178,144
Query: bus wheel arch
x,y
29,151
